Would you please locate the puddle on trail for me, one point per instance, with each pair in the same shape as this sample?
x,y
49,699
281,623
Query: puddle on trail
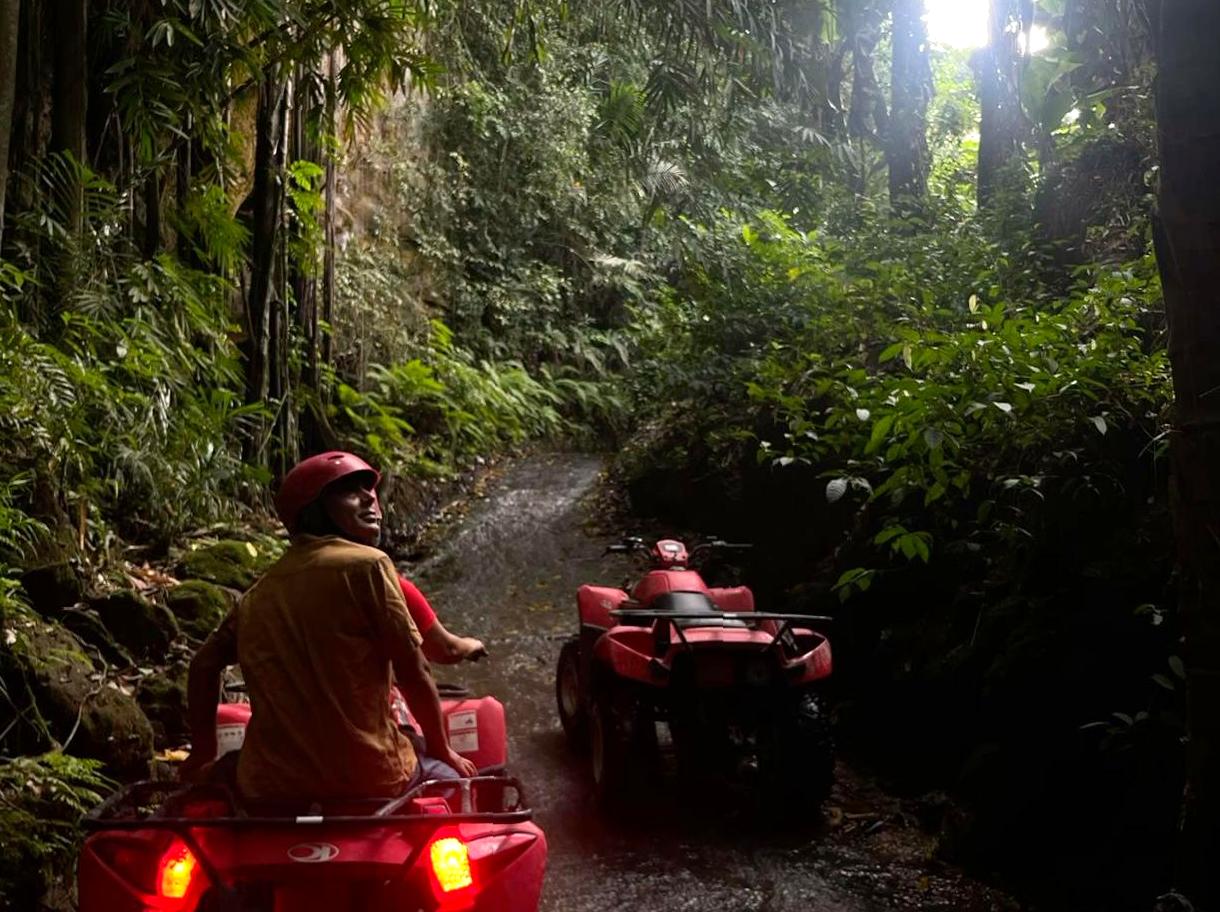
x,y
508,573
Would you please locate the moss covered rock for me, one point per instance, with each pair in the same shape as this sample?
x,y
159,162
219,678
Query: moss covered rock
x,y
163,699
199,606
85,623
58,697
141,626
236,564
53,586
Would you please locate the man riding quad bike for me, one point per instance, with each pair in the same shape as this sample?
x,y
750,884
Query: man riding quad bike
x,y
331,806
738,688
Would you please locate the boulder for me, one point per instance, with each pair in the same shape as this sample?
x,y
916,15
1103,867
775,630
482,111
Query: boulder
x,y
163,699
53,586
86,624
199,606
141,626
236,564
63,699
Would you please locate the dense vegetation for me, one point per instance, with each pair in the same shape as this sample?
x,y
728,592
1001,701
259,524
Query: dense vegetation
x,y
789,252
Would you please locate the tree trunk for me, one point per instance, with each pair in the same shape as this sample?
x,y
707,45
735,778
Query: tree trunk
x,y
1188,251
911,91
152,215
1002,122
328,253
866,115
69,102
266,196
10,24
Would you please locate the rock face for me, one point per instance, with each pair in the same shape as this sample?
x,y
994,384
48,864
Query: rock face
x,y
144,628
85,623
52,587
236,564
163,699
62,698
199,606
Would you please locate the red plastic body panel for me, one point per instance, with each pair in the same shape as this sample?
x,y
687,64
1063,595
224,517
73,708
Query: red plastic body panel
x,y
630,652
595,604
231,721
507,865
739,598
656,582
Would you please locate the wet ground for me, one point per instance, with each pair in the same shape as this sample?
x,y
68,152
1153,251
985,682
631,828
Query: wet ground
x,y
508,572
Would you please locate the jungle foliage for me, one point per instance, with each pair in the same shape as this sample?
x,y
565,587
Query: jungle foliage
x,y
888,308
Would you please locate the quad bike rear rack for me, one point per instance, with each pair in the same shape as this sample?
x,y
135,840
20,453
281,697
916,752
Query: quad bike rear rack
x,y
121,811
668,621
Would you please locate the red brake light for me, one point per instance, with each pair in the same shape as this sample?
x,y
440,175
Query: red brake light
x,y
451,864
176,871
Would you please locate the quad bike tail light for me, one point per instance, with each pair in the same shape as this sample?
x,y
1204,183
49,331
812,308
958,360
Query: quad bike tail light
x,y
451,864
160,866
176,871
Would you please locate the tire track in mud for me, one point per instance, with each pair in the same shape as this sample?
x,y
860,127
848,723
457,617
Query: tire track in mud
x,y
508,572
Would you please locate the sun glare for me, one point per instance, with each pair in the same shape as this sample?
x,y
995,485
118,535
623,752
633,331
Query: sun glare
x,y
963,24
957,23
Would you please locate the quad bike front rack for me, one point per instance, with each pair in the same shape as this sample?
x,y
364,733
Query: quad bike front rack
x,y
666,621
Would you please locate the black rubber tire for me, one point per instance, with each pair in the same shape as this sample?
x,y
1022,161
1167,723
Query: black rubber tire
x,y
610,760
569,696
622,749
801,766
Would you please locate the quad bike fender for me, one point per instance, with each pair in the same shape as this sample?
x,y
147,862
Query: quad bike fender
x,y
626,652
815,662
739,598
595,604
476,727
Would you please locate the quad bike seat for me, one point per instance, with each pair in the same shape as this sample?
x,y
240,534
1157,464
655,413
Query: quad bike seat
x,y
694,602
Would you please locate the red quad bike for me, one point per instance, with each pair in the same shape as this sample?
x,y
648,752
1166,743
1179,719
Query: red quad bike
x,y
442,847
738,688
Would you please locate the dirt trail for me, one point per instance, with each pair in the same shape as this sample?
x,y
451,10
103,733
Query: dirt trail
x,y
507,573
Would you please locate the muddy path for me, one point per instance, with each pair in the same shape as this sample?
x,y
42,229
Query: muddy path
x,y
507,572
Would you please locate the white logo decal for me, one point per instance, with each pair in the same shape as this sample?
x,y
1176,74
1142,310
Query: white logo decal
x,y
313,852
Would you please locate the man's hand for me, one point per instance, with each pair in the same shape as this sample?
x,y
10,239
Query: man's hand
x,y
194,769
461,764
471,650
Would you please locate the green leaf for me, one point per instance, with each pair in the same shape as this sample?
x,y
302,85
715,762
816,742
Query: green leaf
x,y
880,430
1099,423
1178,667
1163,681
835,490
1005,407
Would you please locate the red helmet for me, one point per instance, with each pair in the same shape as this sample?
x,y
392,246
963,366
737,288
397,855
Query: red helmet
x,y
304,482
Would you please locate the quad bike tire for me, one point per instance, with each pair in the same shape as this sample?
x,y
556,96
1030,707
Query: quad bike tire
x,y
801,764
569,696
622,746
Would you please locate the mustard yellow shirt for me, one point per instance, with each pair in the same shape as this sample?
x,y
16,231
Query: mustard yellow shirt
x,y
311,636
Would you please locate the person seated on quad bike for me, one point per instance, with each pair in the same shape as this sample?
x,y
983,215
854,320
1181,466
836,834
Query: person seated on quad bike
x,y
320,638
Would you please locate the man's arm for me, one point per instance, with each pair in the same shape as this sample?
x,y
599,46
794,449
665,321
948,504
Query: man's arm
x,y
440,646
202,689
444,648
401,642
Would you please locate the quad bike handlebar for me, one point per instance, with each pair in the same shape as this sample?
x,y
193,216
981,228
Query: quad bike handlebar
x,y
669,551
